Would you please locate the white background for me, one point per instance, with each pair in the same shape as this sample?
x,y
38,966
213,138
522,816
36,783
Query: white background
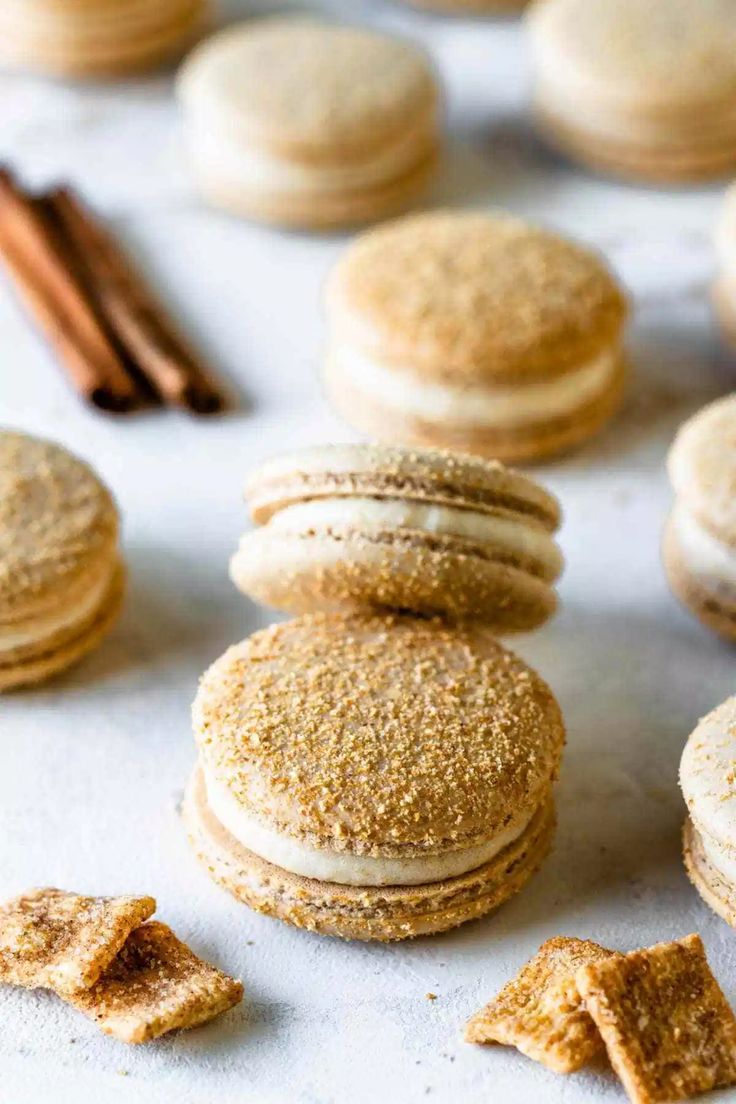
x,y
92,765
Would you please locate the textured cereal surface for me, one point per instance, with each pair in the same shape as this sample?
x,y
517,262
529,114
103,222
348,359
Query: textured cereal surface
x,y
662,53
155,985
58,525
63,941
702,466
667,1027
357,912
474,298
541,1012
379,734
310,89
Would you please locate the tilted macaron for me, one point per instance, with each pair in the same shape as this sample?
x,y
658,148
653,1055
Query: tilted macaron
x,y
61,575
724,288
356,526
707,781
700,538
475,332
373,777
641,90
96,38
308,124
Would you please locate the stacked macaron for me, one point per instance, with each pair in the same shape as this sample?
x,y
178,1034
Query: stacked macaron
x,y
306,124
724,288
707,781
643,90
345,527
700,539
475,332
373,777
96,38
61,574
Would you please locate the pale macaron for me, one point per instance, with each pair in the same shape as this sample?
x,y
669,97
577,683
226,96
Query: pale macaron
x,y
373,777
97,38
640,90
474,332
724,287
707,782
61,572
343,527
308,124
700,538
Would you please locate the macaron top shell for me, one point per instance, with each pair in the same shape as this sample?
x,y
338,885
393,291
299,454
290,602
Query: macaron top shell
x,y
378,735
702,467
708,774
309,88
474,298
421,475
58,525
658,54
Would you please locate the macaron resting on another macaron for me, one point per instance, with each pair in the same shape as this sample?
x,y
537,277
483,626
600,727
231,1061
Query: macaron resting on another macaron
x,y
353,526
373,777
308,124
707,782
700,537
61,573
645,90
475,332
96,38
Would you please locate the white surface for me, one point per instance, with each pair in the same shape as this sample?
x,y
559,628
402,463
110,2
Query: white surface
x,y
92,766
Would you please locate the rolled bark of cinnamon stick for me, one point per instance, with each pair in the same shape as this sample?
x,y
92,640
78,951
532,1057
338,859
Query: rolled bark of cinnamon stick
x,y
55,298
132,311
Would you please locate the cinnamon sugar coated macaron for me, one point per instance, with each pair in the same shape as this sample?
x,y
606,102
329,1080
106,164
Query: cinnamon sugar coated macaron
x,y
308,124
475,332
96,38
700,538
356,526
373,777
61,572
707,782
640,90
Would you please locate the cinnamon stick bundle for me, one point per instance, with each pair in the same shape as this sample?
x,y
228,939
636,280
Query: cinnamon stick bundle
x,y
110,334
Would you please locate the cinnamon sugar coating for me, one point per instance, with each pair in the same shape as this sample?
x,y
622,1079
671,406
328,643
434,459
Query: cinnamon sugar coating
x,y
380,735
475,298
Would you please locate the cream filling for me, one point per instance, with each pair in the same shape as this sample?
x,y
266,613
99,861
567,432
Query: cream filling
x,y
341,867
509,405
723,860
705,557
16,637
226,158
515,537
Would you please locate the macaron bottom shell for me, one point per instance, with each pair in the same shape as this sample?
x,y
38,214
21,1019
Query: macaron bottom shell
x,y
352,912
717,893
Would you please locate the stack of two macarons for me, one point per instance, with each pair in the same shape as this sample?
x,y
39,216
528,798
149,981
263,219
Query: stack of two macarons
x,y
380,767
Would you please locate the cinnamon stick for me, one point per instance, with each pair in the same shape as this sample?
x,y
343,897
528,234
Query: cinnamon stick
x,y
53,295
131,310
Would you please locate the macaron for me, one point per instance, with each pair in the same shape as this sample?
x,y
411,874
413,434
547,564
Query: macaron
x,y
61,572
96,38
640,90
373,777
707,782
699,547
475,332
311,125
724,287
351,527
471,7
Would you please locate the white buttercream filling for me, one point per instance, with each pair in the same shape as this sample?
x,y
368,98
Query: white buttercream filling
x,y
705,557
327,865
501,405
519,539
226,157
12,636
724,861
